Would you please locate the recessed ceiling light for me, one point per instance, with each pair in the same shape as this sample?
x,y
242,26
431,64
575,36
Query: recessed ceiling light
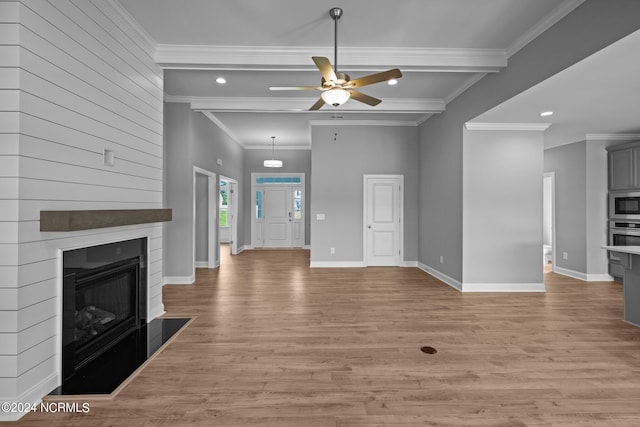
x,y
221,80
392,82
546,113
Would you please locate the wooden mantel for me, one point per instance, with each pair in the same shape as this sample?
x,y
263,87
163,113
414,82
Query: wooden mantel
x,y
90,219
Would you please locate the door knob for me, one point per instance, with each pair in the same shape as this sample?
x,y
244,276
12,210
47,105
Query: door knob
x,y
369,227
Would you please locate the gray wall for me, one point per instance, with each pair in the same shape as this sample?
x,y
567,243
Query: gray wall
x,y
293,161
192,140
337,185
590,27
502,207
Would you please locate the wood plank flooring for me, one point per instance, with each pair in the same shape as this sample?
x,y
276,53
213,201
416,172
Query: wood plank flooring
x,y
275,343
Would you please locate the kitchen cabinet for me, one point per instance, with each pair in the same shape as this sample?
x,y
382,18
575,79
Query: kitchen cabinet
x,y
624,166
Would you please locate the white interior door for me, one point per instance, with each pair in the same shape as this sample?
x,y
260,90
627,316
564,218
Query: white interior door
x,y
383,221
278,217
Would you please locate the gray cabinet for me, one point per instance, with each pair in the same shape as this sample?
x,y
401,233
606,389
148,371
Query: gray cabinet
x,y
624,166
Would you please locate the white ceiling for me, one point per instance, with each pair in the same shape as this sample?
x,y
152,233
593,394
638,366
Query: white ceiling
x,y
441,47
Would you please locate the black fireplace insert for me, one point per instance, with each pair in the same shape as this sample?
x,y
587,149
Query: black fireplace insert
x,y
104,300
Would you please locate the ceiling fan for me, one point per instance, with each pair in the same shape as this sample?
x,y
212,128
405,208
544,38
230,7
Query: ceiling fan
x,y
337,87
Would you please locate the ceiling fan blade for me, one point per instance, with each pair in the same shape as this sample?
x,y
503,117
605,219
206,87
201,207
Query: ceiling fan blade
x,y
359,96
295,88
374,78
325,68
319,103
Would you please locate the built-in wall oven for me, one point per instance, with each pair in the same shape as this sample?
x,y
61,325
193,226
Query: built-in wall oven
x,y
621,233
624,206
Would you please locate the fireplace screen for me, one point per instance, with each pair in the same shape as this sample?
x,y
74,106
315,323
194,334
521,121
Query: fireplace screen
x,y
104,302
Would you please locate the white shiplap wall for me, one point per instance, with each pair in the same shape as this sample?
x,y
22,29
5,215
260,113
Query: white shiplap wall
x,y
76,78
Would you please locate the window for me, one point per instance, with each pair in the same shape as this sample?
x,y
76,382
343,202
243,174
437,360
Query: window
x,y
224,199
297,204
278,180
258,204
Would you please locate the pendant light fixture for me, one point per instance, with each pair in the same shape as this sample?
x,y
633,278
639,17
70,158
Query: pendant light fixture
x,y
273,163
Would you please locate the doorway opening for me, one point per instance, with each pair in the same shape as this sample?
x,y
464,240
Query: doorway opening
x,y
548,222
278,210
204,230
227,217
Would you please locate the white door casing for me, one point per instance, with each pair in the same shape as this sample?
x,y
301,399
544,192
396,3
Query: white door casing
x,y
383,220
268,228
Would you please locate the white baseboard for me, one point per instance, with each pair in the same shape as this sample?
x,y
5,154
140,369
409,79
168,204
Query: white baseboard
x,y
179,280
337,264
599,277
240,249
202,264
156,313
440,276
33,396
481,287
409,264
503,287
583,276
307,247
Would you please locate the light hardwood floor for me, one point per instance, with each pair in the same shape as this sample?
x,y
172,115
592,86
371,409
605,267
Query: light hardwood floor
x,y
275,343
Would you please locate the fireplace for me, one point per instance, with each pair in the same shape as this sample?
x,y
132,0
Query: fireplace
x,y
104,300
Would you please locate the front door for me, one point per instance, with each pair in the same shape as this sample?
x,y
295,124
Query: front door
x,y
278,216
383,221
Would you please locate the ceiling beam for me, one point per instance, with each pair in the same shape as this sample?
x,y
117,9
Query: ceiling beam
x,y
299,58
298,104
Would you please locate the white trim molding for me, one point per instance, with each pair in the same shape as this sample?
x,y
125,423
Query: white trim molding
x,y
32,397
543,25
337,264
273,58
455,284
223,127
507,126
613,136
363,123
179,280
585,277
301,105
503,287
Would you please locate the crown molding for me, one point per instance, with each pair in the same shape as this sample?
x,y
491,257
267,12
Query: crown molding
x,y
279,147
613,136
363,123
543,25
464,86
177,99
355,58
223,127
151,44
507,126
274,104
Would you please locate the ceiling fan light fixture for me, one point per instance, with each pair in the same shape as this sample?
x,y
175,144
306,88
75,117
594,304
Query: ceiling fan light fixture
x,y
336,96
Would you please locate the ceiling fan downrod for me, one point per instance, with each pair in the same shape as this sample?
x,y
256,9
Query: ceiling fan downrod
x,y
335,14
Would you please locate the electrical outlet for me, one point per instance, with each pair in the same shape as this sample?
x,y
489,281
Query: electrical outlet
x,y
441,259
332,250
565,256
